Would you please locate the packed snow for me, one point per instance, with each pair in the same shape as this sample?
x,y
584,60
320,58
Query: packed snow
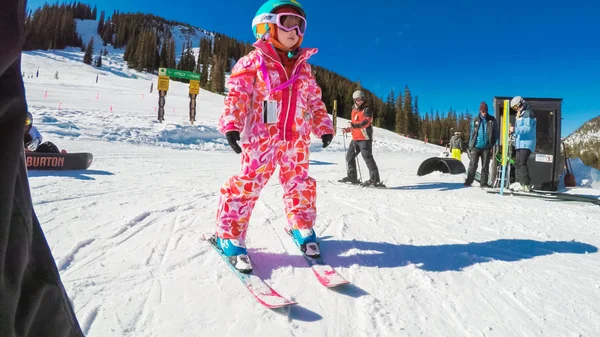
x,y
425,257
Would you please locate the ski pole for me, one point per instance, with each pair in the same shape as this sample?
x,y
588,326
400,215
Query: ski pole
x,y
357,161
345,152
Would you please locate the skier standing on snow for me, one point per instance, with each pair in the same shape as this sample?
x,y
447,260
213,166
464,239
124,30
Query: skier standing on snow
x,y
273,105
33,139
525,140
456,146
362,142
484,134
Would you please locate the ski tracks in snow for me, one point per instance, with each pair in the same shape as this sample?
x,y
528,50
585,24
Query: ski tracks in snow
x,y
98,266
64,262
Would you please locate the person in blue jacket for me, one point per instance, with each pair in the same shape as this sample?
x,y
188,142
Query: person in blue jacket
x,y
525,141
484,134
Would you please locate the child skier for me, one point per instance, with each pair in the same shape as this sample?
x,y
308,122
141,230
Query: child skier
x,y
273,104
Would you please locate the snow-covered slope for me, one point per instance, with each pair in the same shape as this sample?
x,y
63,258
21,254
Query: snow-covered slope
x,y
588,132
426,257
584,145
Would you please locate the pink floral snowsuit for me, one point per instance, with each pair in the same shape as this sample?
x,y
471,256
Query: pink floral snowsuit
x,y
285,142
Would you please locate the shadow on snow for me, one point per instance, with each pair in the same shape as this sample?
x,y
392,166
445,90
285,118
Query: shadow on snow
x,y
434,258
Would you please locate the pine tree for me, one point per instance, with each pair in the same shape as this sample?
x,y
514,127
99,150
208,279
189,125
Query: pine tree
x,y
400,118
407,107
217,75
99,61
107,32
416,118
163,63
191,59
130,51
89,51
182,60
101,24
425,127
171,61
388,118
204,74
142,53
388,109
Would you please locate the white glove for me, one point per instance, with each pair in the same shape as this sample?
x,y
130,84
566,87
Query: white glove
x,y
33,145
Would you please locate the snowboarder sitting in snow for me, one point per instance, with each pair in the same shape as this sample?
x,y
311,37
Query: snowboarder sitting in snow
x,y
362,142
273,105
33,139
456,146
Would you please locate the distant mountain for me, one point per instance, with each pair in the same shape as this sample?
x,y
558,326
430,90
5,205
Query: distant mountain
x,y
585,143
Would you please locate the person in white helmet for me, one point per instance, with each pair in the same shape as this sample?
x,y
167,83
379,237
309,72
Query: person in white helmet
x,y
456,146
361,129
525,141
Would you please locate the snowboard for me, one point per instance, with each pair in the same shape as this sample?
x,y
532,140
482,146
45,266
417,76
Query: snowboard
x,y
58,161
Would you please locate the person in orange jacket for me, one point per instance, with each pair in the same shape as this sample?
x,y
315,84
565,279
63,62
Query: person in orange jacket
x,y
361,129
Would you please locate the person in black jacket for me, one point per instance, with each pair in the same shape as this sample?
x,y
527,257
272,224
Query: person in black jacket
x,y
33,301
32,140
484,135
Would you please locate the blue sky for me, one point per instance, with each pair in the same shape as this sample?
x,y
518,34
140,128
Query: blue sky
x,y
450,53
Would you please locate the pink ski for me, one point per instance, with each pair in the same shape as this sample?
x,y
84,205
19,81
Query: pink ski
x,y
325,273
261,291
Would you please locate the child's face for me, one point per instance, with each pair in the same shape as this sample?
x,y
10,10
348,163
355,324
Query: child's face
x,y
288,39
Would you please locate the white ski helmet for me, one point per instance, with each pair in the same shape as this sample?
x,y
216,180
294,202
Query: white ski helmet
x,y
358,94
517,101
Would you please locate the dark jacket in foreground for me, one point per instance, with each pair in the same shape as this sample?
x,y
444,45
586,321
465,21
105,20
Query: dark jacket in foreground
x,y
33,302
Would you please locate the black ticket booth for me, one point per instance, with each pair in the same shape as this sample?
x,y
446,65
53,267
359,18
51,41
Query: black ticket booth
x,y
545,164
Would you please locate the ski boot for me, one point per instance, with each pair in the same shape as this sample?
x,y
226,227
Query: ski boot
x,y
372,183
516,187
236,251
349,180
306,240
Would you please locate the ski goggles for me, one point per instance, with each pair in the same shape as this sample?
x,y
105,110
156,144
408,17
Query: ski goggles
x,y
285,21
28,121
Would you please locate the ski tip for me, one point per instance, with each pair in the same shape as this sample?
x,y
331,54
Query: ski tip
x,y
331,286
279,306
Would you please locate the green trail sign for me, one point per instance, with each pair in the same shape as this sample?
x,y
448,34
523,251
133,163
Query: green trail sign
x,y
188,75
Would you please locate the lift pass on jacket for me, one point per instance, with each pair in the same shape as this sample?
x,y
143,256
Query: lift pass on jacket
x,y
269,111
